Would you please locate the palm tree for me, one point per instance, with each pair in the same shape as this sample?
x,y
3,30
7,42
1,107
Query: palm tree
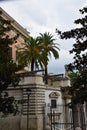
x,y
49,48
37,52
29,54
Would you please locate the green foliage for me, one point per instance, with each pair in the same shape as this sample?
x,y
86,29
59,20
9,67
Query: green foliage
x,y
49,48
78,88
30,54
36,51
7,104
8,68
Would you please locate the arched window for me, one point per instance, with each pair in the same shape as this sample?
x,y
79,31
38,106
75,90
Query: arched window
x,y
54,96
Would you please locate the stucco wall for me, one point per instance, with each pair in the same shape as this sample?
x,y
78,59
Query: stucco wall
x,y
48,100
10,123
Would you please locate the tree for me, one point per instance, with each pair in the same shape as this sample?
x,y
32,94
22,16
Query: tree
x,y
30,54
49,48
80,56
8,68
36,51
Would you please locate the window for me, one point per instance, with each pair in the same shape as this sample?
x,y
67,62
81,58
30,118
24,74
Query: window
x,y
53,103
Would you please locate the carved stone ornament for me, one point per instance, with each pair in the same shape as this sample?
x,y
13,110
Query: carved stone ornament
x,y
54,95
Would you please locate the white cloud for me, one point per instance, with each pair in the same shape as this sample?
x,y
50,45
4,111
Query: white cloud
x,y
39,16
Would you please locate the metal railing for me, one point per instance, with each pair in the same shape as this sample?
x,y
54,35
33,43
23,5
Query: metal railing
x,y
59,118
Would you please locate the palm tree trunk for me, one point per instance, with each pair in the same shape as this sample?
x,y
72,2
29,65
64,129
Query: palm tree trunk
x,y
46,73
32,65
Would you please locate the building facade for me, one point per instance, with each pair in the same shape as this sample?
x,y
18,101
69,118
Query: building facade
x,y
17,31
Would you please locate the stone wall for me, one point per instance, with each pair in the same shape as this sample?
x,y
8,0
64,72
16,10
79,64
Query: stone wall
x,y
36,105
10,123
37,100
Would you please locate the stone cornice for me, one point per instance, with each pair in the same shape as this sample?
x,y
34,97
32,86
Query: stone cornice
x,y
15,24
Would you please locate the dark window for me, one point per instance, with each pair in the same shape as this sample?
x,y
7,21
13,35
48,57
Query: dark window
x,y
53,103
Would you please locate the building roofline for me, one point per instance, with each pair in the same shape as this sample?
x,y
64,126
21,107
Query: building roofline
x,y
15,24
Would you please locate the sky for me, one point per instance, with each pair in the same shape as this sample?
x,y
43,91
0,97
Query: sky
x,y
40,16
